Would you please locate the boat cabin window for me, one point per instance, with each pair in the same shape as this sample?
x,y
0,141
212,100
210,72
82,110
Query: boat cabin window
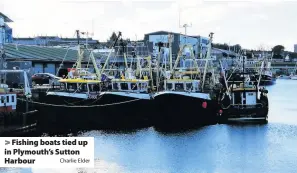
x,y
72,86
179,86
115,86
62,86
82,87
237,98
94,87
143,86
169,86
189,86
124,86
134,86
196,86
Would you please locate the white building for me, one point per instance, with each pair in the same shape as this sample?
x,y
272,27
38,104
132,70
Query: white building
x,y
199,43
3,28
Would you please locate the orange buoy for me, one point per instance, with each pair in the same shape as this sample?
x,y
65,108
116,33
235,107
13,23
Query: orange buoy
x,y
204,105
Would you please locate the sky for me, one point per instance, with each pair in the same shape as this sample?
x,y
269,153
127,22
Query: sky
x,y
253,24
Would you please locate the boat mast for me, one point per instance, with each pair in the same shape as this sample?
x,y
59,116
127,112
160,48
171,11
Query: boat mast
x,y
78,63
207,58
2,52
112,47
158,66
138,65
170,38
243,70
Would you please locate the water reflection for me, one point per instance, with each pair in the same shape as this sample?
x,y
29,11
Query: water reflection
x,y
218,148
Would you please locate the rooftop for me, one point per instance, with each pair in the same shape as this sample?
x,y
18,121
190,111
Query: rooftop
x,y
38,53
6,19
194,36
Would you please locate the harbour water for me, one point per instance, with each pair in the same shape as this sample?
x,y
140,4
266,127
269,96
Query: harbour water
x,y
210,149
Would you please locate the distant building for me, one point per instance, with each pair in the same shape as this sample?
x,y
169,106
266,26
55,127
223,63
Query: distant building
x,y
295,48
199,43
54,41
8,34
5,30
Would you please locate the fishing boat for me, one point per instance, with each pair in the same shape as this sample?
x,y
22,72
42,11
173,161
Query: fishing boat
x,y
293,74
293,77
183,97
14,114
104,101
267,77
284,77
242,99
9,97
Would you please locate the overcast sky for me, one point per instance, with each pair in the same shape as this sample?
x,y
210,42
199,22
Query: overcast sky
x,y
252,24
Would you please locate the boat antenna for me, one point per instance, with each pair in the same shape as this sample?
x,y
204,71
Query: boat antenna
x,y
78,36
208,56
183,26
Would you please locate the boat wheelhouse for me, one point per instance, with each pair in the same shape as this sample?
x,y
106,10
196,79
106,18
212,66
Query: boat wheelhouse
x,y
77,89
8,100
248,103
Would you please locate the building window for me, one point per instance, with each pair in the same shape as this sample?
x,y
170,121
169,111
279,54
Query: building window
x,y
12,98
7,99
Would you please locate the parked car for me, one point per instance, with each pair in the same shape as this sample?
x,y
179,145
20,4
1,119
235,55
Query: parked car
x,y
44,78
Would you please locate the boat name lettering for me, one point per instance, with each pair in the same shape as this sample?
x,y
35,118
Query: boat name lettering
x,y
92,96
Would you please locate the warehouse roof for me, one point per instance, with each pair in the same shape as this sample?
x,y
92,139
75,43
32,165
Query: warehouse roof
x,y
38,53
6,19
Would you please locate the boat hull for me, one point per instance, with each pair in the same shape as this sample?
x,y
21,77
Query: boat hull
x,y
108,111
12,120
284,77
235,114
183,110
267,80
